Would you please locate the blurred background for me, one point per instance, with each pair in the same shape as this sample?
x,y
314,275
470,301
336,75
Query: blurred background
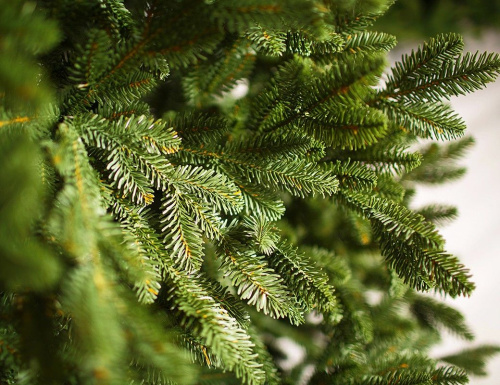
x,y
475,236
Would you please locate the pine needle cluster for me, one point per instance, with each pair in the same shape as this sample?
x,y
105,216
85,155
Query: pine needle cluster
x,y
157,227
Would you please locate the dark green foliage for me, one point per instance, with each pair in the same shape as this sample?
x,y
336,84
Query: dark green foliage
x,y
396,160
438,70
18,70
434,314
438,162
438,214
436,121
422,18
22,254
353,175
158,228
411,246
296,271
472,360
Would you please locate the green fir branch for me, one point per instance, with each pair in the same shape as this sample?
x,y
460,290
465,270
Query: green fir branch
x,y
369,42
273,147
198,128
256,283
434,314
300,274
438,214
352,175
342,83
472,360
214,77
457,76
182,237
303,45
267,41
426,59
207,319
299,178
354,127
430,121
445,155
384,159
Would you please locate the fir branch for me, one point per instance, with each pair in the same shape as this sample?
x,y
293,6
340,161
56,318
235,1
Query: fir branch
x,y
413,248
96,328
434,314
181,236
460,76
114,111
120,18
92,60
388,187
402,223
259,202
400,377
282,15
430,172
121,74
186,49
354,127
426,269
384,158
176,34
210,321
198,128
438,214
350,20
369,42
276,147
432,121
449,375
27,263
134,150
212,78
265,41
472,360
427,59
352,175
212,187
205,218
300,274
199,352
157,357
299,43
256,282
263,233
124,173
74,221
271,105
343,81
300,177
128,88
137,261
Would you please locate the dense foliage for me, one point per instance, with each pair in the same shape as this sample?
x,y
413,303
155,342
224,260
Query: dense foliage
x,y
189,187
429,17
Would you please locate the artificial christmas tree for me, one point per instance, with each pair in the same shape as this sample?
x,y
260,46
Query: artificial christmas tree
x,y
158,227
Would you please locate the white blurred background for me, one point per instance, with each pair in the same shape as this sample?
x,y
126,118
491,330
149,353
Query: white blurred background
x,y
475,236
